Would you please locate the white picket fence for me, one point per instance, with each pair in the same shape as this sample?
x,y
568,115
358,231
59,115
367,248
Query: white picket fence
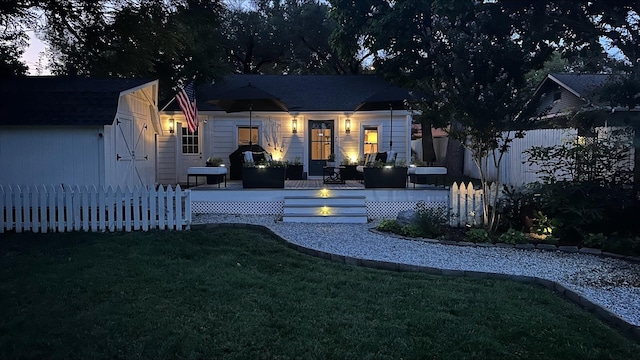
x,y
80,208
466,204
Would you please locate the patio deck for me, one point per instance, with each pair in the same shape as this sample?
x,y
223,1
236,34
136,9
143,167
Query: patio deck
x,y
380,203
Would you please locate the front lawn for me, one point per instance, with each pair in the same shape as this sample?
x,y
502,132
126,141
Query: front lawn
x,y
241,294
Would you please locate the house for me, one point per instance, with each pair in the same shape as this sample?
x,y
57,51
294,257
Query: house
x,y
78,131
321,120
560,95
553,108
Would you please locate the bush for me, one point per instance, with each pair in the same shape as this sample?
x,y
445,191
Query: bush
x,y
622,245
430,221
513,236
594,240
478,236
389,226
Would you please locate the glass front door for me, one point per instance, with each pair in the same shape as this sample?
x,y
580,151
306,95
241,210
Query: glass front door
x,y
320,145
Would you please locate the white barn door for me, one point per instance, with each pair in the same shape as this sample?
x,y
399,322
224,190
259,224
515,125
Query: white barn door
x,y
131,150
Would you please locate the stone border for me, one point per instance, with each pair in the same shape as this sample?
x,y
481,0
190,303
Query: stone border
x,y
612,319
528,246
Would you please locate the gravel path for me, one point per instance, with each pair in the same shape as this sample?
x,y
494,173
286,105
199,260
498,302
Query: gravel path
x,y
611,283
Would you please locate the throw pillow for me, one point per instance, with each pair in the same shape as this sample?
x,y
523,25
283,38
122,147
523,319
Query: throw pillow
x,y
248,157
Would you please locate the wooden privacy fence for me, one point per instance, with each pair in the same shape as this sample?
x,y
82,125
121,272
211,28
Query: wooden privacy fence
x,y
466,205
74,208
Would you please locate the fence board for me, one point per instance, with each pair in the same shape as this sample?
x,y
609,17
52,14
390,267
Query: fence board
x,y
178,207
169,206
161,207
153,209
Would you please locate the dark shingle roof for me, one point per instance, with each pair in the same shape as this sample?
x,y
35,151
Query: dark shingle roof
x,y
298,92
583,85
47,100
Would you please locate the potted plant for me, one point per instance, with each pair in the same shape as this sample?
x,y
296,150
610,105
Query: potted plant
x,y
348,170
331,160
385,175
264,175
294,169
214,162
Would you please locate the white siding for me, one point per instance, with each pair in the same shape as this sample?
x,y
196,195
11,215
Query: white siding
x,y
166,160
51,155
219,134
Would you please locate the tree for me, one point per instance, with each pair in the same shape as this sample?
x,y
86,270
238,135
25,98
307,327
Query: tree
x,y
173,41
286,36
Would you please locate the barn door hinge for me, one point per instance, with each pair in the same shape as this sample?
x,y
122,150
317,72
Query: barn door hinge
x,y
118,157
117,121
146,157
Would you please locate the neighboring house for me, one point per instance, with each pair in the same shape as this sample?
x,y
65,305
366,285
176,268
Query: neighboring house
x,y
78,131
320,120
556,100
560,95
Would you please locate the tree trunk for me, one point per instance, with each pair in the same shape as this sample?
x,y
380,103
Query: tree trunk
x,y
428,152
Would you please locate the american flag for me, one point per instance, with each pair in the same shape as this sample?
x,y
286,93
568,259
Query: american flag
x,y
187,101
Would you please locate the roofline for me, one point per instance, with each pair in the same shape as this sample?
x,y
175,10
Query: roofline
x,y
141,86
550,76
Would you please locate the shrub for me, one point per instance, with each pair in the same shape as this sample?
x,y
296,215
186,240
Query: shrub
x,y
430,221
513,236
389,225
478,236
594,240
623,245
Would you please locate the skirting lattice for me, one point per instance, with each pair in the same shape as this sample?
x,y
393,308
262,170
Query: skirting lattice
x,y
375,210
245,208
389,210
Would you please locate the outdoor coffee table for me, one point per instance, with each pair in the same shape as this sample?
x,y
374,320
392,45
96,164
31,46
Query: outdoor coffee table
x,y
331,175
220,172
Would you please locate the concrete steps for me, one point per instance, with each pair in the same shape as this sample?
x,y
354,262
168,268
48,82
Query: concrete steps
x,y
336,209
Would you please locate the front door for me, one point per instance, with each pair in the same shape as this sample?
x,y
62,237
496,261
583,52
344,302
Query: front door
x,y
320,145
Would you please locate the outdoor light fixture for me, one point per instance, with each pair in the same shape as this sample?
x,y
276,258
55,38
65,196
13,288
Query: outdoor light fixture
x,y
347,126
294,126
171,121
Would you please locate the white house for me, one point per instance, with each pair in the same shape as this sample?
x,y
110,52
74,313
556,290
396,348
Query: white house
x,y
78,131
321,119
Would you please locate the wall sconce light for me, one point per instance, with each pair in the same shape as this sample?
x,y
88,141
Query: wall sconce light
x,y
347,126
294,126
171,121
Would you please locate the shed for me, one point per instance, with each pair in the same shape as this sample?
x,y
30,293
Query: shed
x,y
78,131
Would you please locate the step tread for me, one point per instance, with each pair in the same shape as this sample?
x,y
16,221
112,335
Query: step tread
x,y
325,216
324,197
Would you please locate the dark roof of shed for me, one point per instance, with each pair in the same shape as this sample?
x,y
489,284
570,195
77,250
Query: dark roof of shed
x,y
299,92
48,100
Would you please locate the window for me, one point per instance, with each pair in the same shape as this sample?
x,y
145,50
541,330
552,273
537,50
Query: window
x,y
190,142
370,139
243,135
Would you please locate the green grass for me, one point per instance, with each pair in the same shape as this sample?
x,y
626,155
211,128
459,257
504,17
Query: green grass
x,y
241,294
